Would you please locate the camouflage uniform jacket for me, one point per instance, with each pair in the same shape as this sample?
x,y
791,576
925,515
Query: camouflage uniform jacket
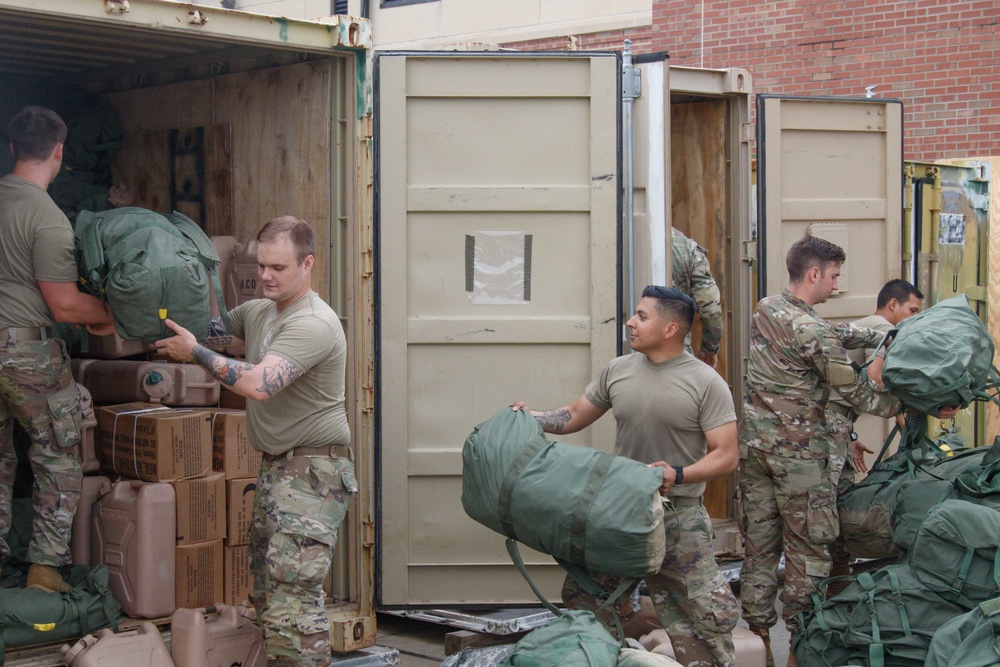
x,y
692,275
796,358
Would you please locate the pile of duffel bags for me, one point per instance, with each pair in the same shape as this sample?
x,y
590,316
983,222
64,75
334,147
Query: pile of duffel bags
x,y
934,506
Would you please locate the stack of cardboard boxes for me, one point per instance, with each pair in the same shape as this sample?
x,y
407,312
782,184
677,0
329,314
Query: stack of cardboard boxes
x,y
170,424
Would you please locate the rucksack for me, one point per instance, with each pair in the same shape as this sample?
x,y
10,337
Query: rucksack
x,y
882,618
969,640
578,504
574,639
940,357
149,267
881,513
956,552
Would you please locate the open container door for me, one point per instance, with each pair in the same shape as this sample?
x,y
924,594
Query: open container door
x,y
497,214
832,167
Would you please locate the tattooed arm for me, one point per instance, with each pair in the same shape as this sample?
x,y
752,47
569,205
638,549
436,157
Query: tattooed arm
x,y
255,381
571,418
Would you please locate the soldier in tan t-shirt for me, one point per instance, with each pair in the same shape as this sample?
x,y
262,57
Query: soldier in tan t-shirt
x,y
38,287
674,412
294,375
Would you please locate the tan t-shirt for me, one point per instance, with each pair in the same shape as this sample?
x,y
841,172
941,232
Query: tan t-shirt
x,y
37,243
310,411
662,410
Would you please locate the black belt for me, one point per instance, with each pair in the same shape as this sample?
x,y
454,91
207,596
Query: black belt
x,y
22,334
336,451
842,410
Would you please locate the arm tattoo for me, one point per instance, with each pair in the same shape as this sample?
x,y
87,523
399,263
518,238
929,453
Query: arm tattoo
x,y
225,370
278,376
554,421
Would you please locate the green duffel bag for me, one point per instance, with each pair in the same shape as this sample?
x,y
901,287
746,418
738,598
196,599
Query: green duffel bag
x,y
578,504
882,618
30,616
149,267
879,515
940,357
969,640
574,639
956,552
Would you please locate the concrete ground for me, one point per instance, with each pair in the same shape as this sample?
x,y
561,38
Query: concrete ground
x,y
421,644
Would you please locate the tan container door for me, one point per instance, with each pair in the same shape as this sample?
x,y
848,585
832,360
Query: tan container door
x,y
498,186
833,168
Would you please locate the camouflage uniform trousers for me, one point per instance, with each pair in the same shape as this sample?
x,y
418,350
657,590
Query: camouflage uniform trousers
x,y
786,505
692,599
37,389
840,429
298,509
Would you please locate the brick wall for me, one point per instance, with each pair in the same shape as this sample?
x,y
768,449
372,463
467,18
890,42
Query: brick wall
x,y
942,59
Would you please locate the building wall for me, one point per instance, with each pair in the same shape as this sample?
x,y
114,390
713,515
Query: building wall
x,y
941,58
443,23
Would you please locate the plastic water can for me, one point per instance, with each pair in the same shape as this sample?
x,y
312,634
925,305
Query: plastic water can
x,y
218,636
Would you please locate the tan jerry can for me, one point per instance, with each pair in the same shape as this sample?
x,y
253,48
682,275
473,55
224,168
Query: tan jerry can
x,y
133,535
91,490
142,646
219,635
125,381
88,457
114,346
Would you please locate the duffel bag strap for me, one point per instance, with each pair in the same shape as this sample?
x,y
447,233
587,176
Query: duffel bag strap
x,y
578,522
527,453
991,612
105,594
515,555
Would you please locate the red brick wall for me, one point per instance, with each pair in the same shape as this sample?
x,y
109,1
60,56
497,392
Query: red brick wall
x,y
942,59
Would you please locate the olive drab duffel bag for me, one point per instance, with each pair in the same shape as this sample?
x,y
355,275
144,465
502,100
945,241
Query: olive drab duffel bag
x,y
880,514
580,505
969,640
956,552
149,267
941,357
883,618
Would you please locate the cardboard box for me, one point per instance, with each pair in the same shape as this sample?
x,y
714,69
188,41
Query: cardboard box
x,y
238,575
154,443
201,508
240,494
232,452
199,574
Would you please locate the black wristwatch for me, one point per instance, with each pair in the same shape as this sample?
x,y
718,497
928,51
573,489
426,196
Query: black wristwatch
x,y
680,475
854,436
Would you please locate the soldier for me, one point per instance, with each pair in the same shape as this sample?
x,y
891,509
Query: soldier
x,y
39,277
691,274
676,413
294,376
789,462
896,301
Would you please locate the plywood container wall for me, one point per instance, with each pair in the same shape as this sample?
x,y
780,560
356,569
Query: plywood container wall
x,y
699,205
281,127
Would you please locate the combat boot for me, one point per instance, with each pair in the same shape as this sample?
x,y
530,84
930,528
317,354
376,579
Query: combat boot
x,y
46,578
764,634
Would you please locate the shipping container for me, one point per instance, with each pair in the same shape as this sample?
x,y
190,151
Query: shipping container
x,y
476,239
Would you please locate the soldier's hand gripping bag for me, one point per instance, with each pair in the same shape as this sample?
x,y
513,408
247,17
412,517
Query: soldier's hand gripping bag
x,y
940,357
578,504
